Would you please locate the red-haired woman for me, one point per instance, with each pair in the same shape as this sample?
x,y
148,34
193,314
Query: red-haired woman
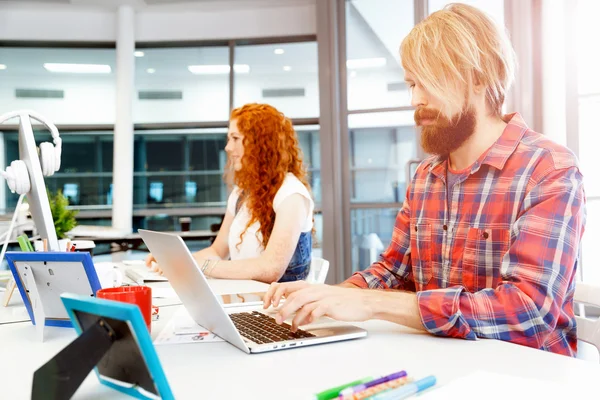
x,y
266,234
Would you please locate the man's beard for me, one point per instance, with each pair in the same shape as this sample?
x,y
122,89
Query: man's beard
x,y
444,136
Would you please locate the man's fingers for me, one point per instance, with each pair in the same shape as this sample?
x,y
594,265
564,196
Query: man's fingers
x,y
317,313
268,299
285,290
303,315
299,299
279,293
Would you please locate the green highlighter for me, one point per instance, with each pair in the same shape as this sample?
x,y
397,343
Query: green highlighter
x,y
24,243
335,392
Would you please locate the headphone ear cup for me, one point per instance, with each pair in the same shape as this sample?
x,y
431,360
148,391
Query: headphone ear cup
x,y
17,177
47,159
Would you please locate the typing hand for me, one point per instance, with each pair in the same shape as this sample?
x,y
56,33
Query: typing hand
x,y
310,302
152,264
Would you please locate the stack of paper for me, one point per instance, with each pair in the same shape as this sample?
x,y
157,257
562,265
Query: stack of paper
x,y
183,329
492,386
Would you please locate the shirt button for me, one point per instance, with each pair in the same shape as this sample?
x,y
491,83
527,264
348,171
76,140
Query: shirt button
x,y
416,229
485,235
445,227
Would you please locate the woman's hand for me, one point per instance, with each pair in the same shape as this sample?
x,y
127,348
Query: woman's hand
x,y
152,264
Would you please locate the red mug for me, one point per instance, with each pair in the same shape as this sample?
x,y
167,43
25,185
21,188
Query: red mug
x,y
140,295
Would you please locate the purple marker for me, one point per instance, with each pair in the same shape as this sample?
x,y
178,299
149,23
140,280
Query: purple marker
x,y
378,381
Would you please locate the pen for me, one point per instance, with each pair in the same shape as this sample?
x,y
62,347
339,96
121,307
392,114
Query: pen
x,y
359,388
24,243
334,392
407,390
382,387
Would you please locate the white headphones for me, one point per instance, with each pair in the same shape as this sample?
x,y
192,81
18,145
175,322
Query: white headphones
x,y
17,175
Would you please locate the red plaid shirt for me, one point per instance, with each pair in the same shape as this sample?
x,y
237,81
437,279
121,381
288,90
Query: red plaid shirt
x,y
501,263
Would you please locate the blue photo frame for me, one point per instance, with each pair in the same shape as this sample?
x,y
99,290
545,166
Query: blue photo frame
x,y
131,314
55,260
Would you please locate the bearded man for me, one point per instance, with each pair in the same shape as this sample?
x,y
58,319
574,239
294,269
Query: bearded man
x,y
486,244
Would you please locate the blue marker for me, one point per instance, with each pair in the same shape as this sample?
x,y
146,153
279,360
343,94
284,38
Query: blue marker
x,y
407,390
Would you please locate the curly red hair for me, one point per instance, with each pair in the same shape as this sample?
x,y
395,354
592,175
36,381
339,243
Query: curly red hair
x,y
271,150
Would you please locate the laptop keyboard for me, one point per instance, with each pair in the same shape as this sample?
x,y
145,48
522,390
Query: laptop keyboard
x,y
261,328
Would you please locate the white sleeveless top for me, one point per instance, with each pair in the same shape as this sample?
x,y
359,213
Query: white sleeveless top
x,y
251,245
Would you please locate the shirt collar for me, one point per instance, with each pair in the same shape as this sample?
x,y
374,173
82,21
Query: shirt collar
x,y
497,155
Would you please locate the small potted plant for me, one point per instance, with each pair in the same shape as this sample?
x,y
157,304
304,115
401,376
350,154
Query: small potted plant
x,y
64,219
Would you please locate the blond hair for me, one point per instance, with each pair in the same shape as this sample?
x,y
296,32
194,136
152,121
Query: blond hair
x,y
455,49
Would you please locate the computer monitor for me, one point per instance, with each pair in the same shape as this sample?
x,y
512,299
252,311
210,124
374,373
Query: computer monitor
x,y
37,197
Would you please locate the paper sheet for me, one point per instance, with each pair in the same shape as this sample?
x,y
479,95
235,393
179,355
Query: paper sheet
x,y
182,329
163,293
493,386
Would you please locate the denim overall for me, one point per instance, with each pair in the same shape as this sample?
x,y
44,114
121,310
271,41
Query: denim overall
x,y
300,262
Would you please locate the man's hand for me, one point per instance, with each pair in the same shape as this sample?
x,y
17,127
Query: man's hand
x,y
310,302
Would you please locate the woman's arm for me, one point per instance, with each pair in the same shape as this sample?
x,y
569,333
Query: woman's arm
x,y
272,263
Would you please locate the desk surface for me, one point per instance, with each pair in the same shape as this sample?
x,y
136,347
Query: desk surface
x,y
221,371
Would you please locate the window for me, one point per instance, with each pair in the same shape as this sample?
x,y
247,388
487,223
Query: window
x,y
374,30
587,31
184,84
282,75
308,136
371,234
184,168
381,144
85,175
67,86
177,172
179,168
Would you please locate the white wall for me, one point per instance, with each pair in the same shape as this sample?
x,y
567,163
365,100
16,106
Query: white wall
x,y
56,23
35,21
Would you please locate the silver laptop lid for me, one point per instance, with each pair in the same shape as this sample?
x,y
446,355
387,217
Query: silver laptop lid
x,y
191,286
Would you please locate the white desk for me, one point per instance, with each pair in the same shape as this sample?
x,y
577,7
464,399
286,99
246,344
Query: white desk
x,y
221,371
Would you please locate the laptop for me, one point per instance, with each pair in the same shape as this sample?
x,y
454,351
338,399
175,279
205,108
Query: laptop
x,y
252,332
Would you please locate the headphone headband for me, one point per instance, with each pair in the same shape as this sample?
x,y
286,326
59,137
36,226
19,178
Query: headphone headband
x,y
32,114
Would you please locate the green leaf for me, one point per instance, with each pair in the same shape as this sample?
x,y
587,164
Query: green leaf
x,y
64,219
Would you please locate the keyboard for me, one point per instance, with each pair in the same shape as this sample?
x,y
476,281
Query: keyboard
x,y
261,328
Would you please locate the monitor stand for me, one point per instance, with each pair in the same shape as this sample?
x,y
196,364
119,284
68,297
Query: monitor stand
x,y
60,377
